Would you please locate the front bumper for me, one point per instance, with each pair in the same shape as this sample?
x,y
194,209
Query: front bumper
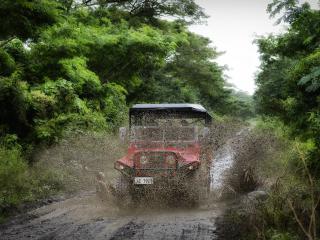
x,y
157,172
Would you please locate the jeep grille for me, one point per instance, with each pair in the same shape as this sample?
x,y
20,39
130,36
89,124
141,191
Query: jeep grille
x,y
156,161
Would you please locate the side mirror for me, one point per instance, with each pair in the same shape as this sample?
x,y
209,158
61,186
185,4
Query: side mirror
x,y
123,134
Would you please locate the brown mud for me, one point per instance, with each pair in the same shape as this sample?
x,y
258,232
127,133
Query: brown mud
x,y
84,216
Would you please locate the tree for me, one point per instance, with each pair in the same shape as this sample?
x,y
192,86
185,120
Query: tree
x,y
189,75
152,9
81,66
25,18
289,80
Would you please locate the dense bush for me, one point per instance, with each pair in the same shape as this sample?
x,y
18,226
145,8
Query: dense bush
x,y
289,88
19,183
14,179
289,78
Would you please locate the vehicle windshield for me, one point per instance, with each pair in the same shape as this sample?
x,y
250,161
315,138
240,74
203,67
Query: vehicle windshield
x,y
165,120
163,134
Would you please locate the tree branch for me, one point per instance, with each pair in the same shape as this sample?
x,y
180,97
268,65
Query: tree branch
x,y
2,43
298,220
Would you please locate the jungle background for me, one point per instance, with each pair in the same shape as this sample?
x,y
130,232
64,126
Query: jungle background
x,y
71,67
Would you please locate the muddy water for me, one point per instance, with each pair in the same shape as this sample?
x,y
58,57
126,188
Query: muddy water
x,y
222,162
85,217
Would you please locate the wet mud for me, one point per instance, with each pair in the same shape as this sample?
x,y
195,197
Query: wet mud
x,y
86,217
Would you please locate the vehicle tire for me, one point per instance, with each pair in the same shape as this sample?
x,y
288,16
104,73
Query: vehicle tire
x,y
122,191
201,182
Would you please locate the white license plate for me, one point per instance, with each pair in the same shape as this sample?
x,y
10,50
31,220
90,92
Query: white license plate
x,y
143,180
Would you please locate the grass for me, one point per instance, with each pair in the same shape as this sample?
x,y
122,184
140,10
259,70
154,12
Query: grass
x,y
20,183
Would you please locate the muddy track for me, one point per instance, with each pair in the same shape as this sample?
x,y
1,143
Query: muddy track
x,y
85,217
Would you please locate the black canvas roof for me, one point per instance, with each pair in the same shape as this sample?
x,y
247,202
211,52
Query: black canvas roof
x,y
168,106
172,107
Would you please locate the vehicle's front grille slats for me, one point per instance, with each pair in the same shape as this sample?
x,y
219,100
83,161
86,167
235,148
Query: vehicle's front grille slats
x,y
156,161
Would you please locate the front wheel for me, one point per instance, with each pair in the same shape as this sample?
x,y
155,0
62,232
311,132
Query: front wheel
x,y
200,191
122,191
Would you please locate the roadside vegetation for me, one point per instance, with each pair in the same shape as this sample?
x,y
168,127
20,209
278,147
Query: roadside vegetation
x,y
287,100
289,90
277,195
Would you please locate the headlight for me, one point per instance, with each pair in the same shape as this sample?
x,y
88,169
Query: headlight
x,y
143,160
171,160
119,166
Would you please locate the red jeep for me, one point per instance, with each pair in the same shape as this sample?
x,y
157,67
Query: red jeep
x,y
167,147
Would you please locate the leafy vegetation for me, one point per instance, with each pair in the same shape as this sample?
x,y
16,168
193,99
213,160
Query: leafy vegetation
x,y
288,93
19,183
290,210
288,83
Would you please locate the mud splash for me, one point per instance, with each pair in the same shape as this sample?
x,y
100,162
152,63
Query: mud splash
x,y
222,162
85,217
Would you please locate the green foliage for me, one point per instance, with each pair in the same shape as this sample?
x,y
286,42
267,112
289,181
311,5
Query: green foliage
x,y
25,18
16,50
149,10
275,218
7,63
190,75
291,190
50,131
289,89
95,62
85,82
289,80
13,105
18,182
14,182
113,105
242,105
199,71
276,235
308,71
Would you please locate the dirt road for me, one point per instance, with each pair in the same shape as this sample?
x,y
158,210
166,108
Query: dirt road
x,y
85,217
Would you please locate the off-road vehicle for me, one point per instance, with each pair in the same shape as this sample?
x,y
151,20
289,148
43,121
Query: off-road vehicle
x,y
168,151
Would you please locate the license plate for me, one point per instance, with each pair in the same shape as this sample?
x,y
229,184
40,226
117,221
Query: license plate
x,y
143,180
